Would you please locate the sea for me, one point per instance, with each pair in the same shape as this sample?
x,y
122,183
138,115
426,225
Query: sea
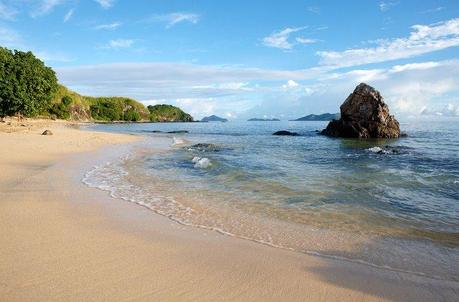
x,y
386,203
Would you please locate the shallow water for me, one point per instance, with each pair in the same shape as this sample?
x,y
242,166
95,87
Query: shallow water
x,y
387,203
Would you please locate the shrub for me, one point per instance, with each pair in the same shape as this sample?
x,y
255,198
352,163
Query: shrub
x,y
61,111
67,100
131,115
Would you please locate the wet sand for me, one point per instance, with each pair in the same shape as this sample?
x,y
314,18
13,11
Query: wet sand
x,y
63,241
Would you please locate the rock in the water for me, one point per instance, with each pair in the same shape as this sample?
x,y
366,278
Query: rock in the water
x,y
178,131
364,115
47,132
285,132
203,147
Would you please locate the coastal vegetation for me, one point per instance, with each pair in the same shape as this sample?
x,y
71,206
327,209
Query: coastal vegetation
x,y
29,88
168,113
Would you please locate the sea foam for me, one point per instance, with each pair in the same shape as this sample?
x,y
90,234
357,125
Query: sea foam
x,y
177,141
201,163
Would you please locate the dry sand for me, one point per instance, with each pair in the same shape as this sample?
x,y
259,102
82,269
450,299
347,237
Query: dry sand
x,y
63,241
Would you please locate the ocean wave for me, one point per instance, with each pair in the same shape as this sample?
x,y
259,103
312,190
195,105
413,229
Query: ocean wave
x,y
201,162
177,141
384,150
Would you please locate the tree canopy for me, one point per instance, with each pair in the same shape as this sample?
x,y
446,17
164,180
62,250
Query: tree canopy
x,y
168,113
27,86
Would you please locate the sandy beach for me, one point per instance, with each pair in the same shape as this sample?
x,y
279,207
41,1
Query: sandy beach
x,y
63,241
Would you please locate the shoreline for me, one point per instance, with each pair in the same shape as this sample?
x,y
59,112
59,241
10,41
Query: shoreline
x,y
66,241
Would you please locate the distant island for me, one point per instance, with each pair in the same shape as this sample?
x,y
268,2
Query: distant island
x,y
319,117
263,120
37,93
213,118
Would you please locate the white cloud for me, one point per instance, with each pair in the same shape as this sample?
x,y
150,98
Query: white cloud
x,y
306,40
248,91
109,26
175,18
451,110
6,12
119,43
423,39
69,15
290,84
384,6
280,39
433,10
106,4
414,66
146,81
45,7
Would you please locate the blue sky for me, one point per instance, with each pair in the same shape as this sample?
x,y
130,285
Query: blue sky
x,y
242,59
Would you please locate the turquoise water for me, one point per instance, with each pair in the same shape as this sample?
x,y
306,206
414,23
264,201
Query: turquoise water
x,y
387,203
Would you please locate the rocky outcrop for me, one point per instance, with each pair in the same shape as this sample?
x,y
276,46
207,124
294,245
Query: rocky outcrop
x,y
285,133
47,132
364,115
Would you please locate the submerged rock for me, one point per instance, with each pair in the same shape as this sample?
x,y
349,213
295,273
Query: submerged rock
x,y
47,132
178,131
285,132
364,115
203,147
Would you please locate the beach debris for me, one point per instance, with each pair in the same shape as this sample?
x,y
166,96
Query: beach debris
x,y
285,133
201,162
47,132
364,115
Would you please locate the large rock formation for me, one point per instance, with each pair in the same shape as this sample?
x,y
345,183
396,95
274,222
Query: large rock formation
x,y
364,115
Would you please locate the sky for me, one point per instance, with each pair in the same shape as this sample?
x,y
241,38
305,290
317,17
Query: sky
x,y
243,59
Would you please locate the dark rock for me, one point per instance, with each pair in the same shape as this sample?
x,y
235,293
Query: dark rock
x,y
178,131
203,147
285,132
364,115
47,132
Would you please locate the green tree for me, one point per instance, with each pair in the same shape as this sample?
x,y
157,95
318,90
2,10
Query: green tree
x,y
7,80
27,86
